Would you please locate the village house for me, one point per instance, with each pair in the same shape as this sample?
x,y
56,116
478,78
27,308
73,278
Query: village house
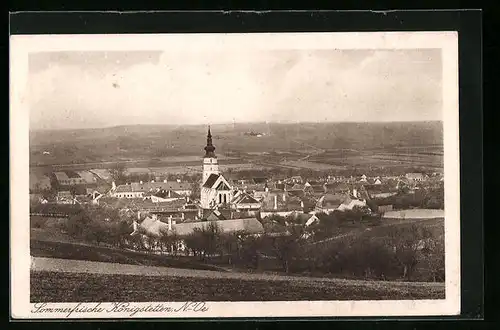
x,y
337,188
306,219
152,227
380,190
415,177
139,189
280,203
68,178
350,203
243,201
65,197
87,177
329,202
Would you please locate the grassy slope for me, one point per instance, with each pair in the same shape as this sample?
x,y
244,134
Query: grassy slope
x,y
64,287
104,254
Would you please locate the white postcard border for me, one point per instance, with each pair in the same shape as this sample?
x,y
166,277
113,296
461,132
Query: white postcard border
x,y
22,45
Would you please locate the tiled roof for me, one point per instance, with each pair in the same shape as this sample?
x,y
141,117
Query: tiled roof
x,y
336,187
87,176
244,198
154,227
331,200
61,176
291,203
167,194
72,175
151,186
254,187
211,180
317,188
215,215
378,188
140,204
250,226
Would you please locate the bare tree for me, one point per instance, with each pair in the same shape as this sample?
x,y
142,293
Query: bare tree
x,y
286,247
406,242
117,172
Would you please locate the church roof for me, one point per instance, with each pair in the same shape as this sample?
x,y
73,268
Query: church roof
x,y
211,180
209,149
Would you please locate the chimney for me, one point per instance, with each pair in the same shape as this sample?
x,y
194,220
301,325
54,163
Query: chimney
x,y
284,197
135,225
275,202
165,181
170,223
302,204
140,182
138,215
113,186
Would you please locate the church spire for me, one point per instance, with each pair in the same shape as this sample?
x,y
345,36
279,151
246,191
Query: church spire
x,y
209,149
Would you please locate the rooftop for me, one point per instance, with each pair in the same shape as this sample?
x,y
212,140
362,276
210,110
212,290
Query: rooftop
x,y
249,226
211,180
152,186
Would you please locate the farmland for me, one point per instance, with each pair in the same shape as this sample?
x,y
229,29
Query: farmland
x,y
320,146
79,287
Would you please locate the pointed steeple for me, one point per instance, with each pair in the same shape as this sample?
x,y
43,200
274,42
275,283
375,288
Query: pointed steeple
x,y
209,149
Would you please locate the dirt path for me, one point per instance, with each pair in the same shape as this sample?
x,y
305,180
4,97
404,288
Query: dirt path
x,y
80,266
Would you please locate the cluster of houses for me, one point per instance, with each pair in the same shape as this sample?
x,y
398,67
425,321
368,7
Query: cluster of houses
x,y
234,203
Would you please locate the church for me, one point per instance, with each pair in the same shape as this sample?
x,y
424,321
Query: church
x,y
216,192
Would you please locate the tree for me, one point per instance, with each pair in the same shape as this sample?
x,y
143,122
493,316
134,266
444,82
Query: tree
x,y
285,247
169,240
249,251
211,234
436,259
406,243
76,224
195,190
96,232
117,172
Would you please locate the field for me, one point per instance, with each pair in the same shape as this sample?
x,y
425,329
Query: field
x,y
430,156
327,146
414,214
104,254
67,287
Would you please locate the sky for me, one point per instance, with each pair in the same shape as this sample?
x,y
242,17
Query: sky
x,y
100,89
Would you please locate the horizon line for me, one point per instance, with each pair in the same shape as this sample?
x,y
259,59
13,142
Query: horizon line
x,y
238,123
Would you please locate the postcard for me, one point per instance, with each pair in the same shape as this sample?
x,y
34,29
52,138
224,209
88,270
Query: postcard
x,y
234,175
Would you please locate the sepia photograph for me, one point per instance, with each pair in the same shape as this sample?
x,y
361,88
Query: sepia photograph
x,y
214,175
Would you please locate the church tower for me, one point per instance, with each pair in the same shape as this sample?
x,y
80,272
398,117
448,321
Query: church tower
x,y
210,165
